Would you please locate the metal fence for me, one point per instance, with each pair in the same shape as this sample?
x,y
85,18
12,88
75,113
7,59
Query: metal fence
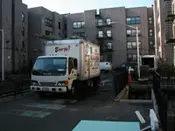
x,y
14,85
161,100
164,90
120,79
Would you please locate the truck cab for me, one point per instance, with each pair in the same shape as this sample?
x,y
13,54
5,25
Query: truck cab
x,y
53,74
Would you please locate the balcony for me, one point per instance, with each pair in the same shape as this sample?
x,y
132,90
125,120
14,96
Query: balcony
x,y
104,37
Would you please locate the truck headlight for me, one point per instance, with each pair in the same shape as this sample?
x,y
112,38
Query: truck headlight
x,y
62,83
34,83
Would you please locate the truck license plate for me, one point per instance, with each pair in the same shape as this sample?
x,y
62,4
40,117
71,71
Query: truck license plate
x,y
45,89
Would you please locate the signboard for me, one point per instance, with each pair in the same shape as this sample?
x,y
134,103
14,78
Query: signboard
x,y
62,49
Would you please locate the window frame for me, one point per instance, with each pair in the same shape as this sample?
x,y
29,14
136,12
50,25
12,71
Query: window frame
x,y
99,22
59,25
23,17
23,31
108,22
133,20
109,33
150,20
129,45
102,34
151,33
109,45
78,24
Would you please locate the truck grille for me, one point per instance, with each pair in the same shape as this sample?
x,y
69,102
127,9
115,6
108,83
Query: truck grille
x,y
47,83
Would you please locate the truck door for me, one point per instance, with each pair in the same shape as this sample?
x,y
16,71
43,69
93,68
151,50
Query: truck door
x,y
72,72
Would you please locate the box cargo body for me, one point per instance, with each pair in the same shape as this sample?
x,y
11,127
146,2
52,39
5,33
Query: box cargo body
x,y
67,66
87,54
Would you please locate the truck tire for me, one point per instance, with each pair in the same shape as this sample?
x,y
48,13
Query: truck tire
x,y
81,89
96,84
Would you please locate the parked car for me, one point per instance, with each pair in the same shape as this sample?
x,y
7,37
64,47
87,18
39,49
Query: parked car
x,y
105,66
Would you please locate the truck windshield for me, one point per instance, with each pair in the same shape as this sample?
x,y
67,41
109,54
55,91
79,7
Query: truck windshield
x,y
50,67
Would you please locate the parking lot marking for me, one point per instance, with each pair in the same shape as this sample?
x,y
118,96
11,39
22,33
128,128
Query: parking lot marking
x,y
39,114
46,106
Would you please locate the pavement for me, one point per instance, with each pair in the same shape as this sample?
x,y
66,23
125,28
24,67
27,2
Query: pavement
x,y
55,113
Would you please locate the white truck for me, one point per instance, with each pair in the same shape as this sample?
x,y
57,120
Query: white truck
x,y
68,66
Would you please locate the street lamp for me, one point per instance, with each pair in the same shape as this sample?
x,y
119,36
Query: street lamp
x,y
2,54
137,42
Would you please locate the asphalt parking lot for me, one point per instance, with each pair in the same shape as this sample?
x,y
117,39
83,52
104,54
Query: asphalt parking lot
x,y
33,113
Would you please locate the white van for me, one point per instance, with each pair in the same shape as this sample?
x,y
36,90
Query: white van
x,y
105,66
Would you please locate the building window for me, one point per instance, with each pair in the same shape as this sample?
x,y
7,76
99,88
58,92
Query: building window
x,y
132,32
133,45
129,32
65,27
140,44
78,25
151,43
80,34
48,32
109,33
100,22
150,32
134,57
150,20
59,25
109,45
23,31
108,21
100,34
130,56
23,44
133,20
48,22
23,17
129,45
137,20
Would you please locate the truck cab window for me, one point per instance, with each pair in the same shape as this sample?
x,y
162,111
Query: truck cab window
x,y
75,63
71,65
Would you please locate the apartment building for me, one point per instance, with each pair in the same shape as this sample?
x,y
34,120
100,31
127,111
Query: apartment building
x,y
43,25
111,29
164,15
14,21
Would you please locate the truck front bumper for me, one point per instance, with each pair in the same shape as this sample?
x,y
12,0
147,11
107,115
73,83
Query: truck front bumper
x,y
48,89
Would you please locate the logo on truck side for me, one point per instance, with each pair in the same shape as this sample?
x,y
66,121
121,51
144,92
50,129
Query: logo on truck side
x,y
65,49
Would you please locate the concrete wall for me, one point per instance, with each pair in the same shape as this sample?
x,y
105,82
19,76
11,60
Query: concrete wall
x,y
37,28
151,26
11,22
74,18
6,24
118,41
119,37
21,48
35,43
142,12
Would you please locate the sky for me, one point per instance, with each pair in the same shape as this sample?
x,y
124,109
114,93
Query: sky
x,y
75,6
